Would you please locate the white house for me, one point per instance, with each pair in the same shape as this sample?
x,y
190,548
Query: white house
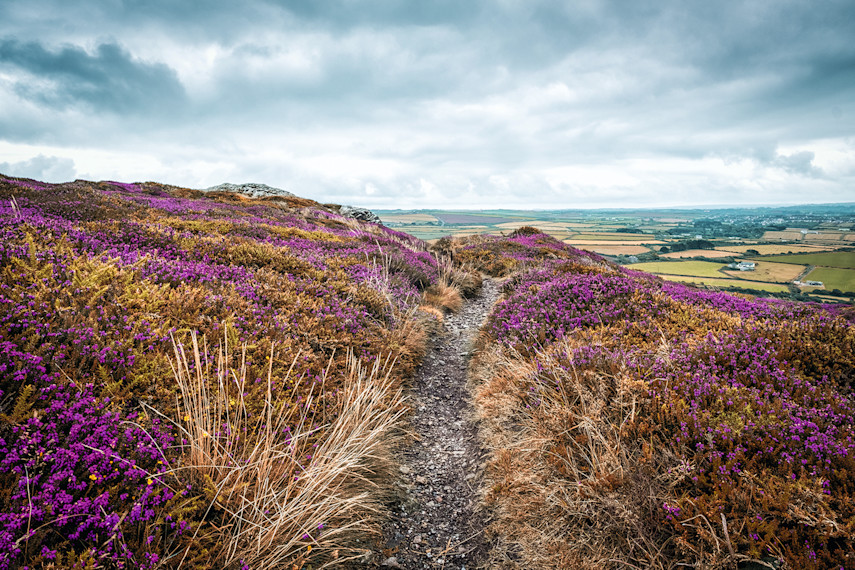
x,y
744,266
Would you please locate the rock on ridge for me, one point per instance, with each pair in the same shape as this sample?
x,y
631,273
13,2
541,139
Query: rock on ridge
x,y
361,214
252,189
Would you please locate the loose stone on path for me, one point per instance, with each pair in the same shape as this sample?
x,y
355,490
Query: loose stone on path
x,y
438,525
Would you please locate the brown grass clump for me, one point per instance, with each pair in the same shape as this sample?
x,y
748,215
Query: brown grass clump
x,y
282,491
444,296
569,487
454,284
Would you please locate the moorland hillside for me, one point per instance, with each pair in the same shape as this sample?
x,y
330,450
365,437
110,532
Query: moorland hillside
x,y
212,379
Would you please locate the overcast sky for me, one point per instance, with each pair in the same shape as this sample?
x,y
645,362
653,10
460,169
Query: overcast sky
x,y
439,103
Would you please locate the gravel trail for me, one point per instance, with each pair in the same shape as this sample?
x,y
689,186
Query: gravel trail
x,y
438,524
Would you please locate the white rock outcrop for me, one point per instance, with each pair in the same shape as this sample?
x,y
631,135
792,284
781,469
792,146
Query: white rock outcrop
x,y
357,213
253,189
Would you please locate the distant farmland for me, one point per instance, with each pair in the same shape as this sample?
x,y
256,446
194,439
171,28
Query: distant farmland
x,y
688,268
455,219
834,278
738,283
842,259
770,271
689,253
773,249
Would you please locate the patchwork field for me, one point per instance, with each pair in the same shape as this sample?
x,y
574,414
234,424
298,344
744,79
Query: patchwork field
x,y
473,218
581,243
687,268
788,235
613,249
834,278
842,259
613,236
546,226
408,219
825,237
689,253
773,249
769,271
725,283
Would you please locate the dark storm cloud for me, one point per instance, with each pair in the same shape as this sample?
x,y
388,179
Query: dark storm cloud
x,y
109,79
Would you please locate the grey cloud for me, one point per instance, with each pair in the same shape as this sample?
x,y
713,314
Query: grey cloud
x,y
798,163
41,167
453,92
109,79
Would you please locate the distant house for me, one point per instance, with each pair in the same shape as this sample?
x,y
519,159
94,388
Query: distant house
x,y
744,266
633,259
809,283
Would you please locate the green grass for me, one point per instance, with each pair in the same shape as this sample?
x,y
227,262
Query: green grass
x,y
840,259
713,282
833,278
687,268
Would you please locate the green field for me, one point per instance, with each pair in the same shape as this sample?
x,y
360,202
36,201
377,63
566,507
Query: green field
x,y
713,282
841,259
687,268
834,278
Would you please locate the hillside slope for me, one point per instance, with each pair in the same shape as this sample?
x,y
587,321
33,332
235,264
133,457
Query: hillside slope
x,y
197,377
207,379
645,424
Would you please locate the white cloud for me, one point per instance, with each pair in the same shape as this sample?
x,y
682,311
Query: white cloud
x,y
41,167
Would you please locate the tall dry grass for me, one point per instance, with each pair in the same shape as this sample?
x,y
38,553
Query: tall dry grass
x,y
568,485
453,285
283,489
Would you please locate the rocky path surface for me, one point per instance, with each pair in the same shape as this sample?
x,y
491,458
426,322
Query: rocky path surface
x,y
438,524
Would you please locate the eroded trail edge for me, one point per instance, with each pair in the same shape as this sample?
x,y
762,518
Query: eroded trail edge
x,y
439,524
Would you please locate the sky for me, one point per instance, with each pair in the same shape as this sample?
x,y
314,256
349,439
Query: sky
x,y
531,104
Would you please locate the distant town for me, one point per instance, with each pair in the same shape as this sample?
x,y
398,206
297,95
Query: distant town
x,y
802,252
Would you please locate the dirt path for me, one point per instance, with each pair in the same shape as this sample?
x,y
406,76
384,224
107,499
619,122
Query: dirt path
x,y
438,524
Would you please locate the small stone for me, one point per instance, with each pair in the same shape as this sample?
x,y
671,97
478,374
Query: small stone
x,y
404,469
421,480
391,562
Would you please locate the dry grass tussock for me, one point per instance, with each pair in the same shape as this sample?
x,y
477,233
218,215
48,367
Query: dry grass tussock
x,y
284,492
454,284
569,486
443,296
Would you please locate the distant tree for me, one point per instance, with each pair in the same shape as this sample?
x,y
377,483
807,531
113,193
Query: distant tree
x,y
664,249
700,244
752,252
